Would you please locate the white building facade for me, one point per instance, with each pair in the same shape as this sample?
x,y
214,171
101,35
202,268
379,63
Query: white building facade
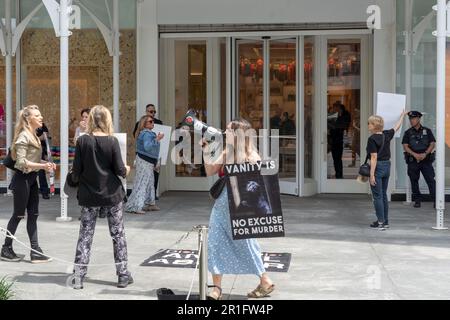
x,y
280,64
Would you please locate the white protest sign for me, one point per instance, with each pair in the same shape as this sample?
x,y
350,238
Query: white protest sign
x,y
164,143
122,137
390,106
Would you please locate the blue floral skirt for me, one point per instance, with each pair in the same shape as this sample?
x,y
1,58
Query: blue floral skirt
x,y
225,255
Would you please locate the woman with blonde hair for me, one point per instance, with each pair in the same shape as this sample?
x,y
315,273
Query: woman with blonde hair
x,y
97,166
143,196
379,152
26,150
225,255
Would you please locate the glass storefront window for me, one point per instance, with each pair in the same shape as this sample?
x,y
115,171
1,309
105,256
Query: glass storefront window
x,y
344,96
190,93
423,76
251,81
90,69
309,64
3,150
283,108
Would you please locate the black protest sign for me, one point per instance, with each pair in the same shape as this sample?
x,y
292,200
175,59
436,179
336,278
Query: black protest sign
x,y
254,201
173,258
181,258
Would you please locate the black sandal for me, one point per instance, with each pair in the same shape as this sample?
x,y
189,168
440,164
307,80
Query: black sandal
x,y
210,297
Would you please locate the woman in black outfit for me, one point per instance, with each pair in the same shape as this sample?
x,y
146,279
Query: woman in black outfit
x,y
26,150
379,153
97,166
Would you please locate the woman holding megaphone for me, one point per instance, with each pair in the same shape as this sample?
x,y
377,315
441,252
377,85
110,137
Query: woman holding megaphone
x,y
225,255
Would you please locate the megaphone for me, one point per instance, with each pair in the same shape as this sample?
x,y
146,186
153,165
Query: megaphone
x,y
190,120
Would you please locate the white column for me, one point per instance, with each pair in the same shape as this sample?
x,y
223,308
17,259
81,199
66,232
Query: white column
x,y
440,113
116,70
18,56
8,81
64,92
407,53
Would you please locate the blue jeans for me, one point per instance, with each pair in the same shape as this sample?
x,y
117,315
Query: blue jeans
x,y
379,195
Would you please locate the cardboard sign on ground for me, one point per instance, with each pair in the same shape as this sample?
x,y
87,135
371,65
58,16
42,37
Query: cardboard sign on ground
x,y
182,258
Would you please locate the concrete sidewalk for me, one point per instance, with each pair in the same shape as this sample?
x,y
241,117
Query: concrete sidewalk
x,y
334,253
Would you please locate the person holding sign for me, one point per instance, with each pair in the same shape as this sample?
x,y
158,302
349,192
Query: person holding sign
x,y
225,255
147,154
379,153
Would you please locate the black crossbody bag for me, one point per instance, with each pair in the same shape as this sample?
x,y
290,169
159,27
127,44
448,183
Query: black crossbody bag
x,y
9,162
364,169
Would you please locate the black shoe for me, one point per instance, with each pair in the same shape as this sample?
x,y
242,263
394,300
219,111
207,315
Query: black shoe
x,y
39,257
386,225
77,282
8,254
124,281
417,204
374,224
377,225
46,196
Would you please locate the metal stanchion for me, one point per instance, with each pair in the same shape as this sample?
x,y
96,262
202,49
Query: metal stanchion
x,y
203,260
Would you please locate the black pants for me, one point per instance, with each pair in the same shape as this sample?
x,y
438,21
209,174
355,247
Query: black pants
x,y
337,149
43,185
156,177
25,197
414,170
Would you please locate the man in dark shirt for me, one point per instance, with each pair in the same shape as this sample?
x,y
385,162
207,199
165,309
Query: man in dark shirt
x,y
150,110
275,121
419,143
43,185
337,130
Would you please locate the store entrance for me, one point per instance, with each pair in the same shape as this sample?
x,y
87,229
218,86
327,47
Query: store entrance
x,y
266,95
344,103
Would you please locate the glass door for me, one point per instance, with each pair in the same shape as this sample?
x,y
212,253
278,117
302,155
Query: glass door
x,y
188,86
344,104
266,95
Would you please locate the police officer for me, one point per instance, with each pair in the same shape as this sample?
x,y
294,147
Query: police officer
x,y
418,144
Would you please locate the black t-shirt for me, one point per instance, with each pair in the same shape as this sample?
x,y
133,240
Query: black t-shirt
x,y
375,142
98,165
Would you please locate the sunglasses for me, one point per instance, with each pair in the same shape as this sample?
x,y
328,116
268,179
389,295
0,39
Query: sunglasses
x,y
150,121
151,111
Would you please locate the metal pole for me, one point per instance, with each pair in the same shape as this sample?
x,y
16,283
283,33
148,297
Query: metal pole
x,y
203,263
116,66
64,89
8,89
407,53
441,34
18,56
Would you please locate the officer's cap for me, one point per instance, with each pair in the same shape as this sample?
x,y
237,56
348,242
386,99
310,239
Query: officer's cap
x,y
414,114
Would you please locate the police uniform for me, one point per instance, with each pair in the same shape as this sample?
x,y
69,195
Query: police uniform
x,y
419,141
